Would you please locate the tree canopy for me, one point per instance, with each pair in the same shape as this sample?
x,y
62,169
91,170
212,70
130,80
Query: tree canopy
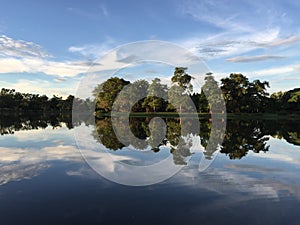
x,y
240,94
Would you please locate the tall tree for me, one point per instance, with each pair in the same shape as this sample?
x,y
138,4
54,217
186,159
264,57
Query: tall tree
x,y
132,97
106,92
181,87
182,79
212,93
241,95
153,101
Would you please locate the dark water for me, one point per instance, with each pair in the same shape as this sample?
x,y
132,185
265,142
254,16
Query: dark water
x,y
254,179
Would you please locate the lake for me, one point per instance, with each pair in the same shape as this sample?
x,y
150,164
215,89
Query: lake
x,y
252,176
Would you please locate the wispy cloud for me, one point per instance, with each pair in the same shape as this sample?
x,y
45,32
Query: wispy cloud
x,y
94,14
240,29
288,69
281,41
18,56
19,48
224,44
34,65
246,59
104,10
244,16
94,51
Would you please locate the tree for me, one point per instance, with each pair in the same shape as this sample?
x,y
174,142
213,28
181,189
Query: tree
x,y
131,98
137,91
291,100
234,89
106,93
212,93
153,101
257,96
241,95
182,79
181,87
275,100
55,103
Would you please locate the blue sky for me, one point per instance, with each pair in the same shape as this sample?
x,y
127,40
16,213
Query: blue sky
x,y
47,46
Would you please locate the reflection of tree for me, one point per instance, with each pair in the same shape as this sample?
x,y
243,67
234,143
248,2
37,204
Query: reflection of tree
x,y
243,136
157,133
105,134
173,131
181,151
294,137
180,145
10,123
287,129
154,135
137,127
211,137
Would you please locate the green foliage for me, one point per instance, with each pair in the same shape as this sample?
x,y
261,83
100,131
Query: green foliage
x,y
182,79
153,102
285,101
107,92
24,102
212,93
241,95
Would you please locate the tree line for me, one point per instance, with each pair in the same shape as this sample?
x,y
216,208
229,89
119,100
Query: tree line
x,y
12,100
240,95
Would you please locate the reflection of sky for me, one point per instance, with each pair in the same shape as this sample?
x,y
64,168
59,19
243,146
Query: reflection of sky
x,y
273,174
39,138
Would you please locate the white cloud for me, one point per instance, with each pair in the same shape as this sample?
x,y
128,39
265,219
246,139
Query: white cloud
x,y
294,68
25,163
227,44
259,26
34,65
19,48
241,16
283,41
15,172
17,56
245,59
94,51
276,154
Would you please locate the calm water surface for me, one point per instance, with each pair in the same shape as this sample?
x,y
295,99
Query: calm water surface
x,y
254,179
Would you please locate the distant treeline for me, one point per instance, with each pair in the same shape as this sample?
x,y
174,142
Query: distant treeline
x,y
11,100
240,95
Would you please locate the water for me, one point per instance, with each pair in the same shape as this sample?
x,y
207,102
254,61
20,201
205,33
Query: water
x,y
254,179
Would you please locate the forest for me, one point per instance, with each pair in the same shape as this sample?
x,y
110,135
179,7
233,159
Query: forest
x,y
17,102
240,94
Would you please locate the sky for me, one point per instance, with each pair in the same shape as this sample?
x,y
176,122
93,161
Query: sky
x,y
46,47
